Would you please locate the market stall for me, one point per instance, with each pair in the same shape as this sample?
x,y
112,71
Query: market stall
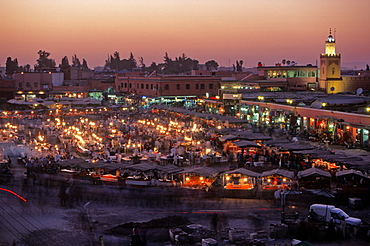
x,y
352,183
314,178
239,183
276,179
198,178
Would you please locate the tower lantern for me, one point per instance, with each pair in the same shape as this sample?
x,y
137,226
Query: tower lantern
x,y
330,45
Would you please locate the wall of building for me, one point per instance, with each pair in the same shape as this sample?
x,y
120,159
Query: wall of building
x,y
169,86
348,84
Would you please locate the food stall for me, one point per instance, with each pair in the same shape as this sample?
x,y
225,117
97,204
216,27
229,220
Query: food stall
x,y
276,179
314,178
352,183
239,183
140,175
198,178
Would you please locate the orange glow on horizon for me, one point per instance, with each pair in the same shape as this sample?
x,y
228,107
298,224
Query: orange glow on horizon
x,y
225,31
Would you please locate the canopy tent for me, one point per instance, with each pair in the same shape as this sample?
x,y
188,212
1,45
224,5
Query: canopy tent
x,y
351,172
228,137
252,136
287,145
280,172
202,171
170,168
71,162
314,172
246,144
242,171
142,167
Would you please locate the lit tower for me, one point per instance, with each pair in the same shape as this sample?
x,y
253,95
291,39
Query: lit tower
x,y
330,75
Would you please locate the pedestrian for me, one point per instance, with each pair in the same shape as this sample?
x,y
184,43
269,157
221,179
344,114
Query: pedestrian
x,y
342,227
63,195
215,222
331,230
135,237
277,195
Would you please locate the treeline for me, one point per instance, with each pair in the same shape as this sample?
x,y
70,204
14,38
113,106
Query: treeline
x,y
178,65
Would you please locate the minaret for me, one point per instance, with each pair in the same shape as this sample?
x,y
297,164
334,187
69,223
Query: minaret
x,y
330,45
330,75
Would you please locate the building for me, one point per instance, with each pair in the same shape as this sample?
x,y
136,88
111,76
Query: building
x,y
330,69
167,85
331,79
74,73
36,84
2,72
288,77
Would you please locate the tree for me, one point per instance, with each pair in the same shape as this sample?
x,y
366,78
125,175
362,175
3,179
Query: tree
x,y
84,65
65,62
27,68
283,62
132,61
240,69
142,64
153,67
239,66
75,61
181,64
367,67
288,62
43,60
11,66
211,65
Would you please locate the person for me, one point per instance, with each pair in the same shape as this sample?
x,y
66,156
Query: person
x,y
277,196
214,221
63,194
331,230
312,215
135,237
342,227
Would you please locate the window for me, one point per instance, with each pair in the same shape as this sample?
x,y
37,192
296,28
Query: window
x,y
188,86
28,84
142,86
178,86
35,84
311,74
151,86
125,85
211,86
130,85
166,87
147,86
202,86
197,86
20,85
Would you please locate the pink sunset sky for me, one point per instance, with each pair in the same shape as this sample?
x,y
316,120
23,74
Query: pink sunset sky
x,y
221,30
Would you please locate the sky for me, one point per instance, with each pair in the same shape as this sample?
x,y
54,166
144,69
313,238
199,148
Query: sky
x,y
254,31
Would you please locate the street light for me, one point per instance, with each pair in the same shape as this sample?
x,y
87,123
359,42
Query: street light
x,y
289,101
